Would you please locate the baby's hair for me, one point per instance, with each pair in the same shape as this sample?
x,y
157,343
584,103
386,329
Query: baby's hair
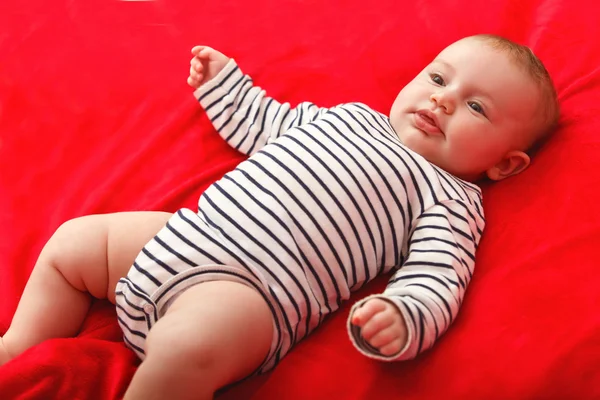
x,y
524,57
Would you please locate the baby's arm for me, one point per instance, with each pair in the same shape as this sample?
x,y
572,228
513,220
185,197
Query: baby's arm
x,y
423,297
242,113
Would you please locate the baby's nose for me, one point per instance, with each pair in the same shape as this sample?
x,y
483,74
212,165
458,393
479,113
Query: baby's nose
x,y
443,100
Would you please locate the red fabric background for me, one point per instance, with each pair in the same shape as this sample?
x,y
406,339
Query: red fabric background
x,y
95,116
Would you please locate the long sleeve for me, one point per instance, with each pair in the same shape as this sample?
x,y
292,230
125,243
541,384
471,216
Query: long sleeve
x,y
242,113
429,287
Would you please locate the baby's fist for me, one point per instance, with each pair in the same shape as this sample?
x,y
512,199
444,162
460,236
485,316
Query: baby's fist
x,y
205,65
381,325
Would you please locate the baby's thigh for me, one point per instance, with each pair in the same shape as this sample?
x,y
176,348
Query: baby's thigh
x,y
94,251
224,327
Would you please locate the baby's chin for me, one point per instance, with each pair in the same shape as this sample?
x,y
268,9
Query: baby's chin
x,y
416,141
428,147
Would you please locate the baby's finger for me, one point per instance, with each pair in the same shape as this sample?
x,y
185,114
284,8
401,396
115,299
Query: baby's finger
x,y
195,63
360,317
195,73
197,49
193,82
198,78
392,348
384,336
198,65
205,52
366,312
375,324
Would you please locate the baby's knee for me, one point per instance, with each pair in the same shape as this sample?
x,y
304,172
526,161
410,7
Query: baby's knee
x,y
65,231
76,225
72,233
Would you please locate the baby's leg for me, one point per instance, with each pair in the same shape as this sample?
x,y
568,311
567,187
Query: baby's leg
x,y
214,334
85,256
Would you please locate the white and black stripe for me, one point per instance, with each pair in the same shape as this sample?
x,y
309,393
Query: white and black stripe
x,y
328,199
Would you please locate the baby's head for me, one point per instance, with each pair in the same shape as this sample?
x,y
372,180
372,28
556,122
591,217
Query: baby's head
x,y
478,109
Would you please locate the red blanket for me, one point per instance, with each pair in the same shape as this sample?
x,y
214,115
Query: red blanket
x,y
96,116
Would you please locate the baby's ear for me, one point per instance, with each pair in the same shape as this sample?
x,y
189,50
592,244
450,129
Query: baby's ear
x,y
513,163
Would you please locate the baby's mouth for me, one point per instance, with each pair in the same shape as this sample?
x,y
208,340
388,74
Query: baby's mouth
x,y
425,121
428,119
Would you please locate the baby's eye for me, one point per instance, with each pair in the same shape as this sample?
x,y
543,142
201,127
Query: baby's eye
x,y
476,107
437,79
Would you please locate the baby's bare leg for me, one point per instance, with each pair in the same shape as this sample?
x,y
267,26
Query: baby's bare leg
x,y
85,256
214,334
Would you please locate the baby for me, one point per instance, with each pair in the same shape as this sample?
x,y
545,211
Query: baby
x,y
328,199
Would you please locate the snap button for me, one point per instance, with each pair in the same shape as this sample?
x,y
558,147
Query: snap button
x,y
148,308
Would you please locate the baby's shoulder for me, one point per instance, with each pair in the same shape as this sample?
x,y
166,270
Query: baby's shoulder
x,y
359,112
452,191
359,108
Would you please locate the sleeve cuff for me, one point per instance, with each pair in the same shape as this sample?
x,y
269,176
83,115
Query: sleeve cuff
x,y
365,348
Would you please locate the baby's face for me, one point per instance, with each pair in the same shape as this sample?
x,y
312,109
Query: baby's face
x,y
467,109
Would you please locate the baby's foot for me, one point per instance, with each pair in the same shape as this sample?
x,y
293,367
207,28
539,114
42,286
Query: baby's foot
x,y
4,357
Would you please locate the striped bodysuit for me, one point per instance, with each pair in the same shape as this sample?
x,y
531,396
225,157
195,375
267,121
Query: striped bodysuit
x,y
328,199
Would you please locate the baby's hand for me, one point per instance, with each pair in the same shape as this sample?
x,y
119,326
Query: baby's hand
x,y
381,325
205,65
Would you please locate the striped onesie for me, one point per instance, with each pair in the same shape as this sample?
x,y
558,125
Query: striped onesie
x,y
328,200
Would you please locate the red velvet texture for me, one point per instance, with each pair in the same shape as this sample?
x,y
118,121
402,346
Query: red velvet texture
x,y
96,116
